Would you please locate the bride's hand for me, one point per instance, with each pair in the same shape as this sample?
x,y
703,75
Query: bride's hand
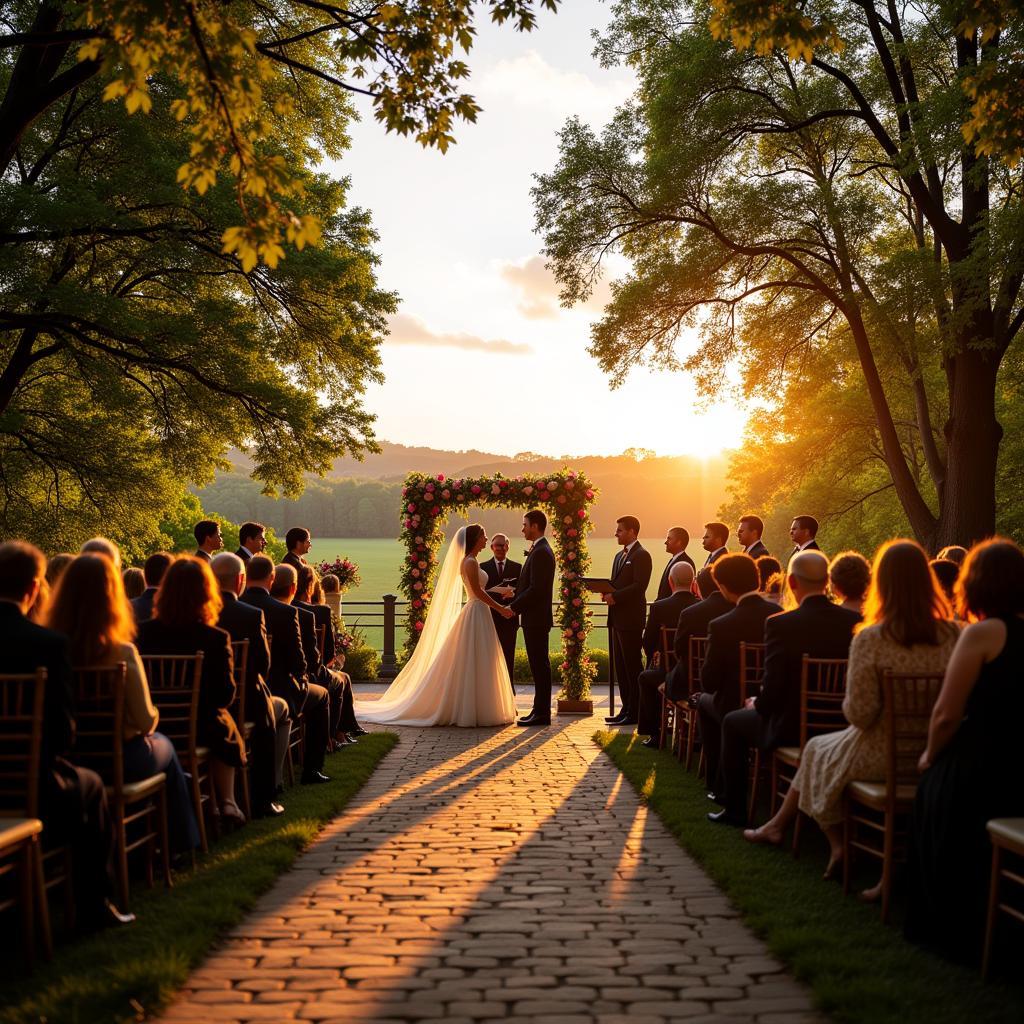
x,y
507,612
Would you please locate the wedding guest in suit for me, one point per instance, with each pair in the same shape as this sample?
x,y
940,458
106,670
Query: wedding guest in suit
x,y
972,763
817,627
134,581
627,607
802,532
72,800
208,539
676,541
91,610
714,541
906,628
748,533
153,571
184,612
334,654
102,546
298,542
849,577
947,572
500,568
738,582
531,601
269,714
665,613
252,539
693,621
954,552
55,568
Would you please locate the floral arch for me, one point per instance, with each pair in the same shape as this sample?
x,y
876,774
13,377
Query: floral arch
x,y
565,496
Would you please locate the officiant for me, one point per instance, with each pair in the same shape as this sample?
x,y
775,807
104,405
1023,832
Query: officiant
x,y
502,571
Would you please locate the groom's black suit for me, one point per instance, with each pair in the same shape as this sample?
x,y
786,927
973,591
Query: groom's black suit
x,y
507,629
532,604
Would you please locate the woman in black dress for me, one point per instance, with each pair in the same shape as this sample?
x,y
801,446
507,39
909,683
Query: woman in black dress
x,y
972,764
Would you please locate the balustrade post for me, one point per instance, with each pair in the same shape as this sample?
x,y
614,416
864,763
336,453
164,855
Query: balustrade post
x,y
388,662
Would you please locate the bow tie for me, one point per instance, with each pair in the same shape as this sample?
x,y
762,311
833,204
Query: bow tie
x,y
526,552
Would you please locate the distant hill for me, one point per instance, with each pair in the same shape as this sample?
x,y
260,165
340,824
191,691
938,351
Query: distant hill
x,y
360,499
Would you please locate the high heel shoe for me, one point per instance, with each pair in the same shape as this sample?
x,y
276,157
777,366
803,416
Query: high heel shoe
x,y
231,816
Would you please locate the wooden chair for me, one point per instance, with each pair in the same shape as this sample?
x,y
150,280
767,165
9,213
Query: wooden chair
x,y
22,702
240,654
174,686
822,689
296,747
751,675
1007,835
321,632
668,707
695,658
878,810
99,745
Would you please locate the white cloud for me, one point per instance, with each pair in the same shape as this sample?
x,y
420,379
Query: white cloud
x,y
538,289
409,330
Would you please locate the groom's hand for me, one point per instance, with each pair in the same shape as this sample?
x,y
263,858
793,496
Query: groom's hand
x,y
504,591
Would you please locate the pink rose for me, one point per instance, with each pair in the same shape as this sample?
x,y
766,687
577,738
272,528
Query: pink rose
x,y
570,555
567,633
405,491
575,625
527,490
417,586
411,507
569,485
590,495
429,489
446,493
577,601
565,591
561,499
440,478
415,574
564,666
408,524
419,540
582,513
495,489
552,485
476,488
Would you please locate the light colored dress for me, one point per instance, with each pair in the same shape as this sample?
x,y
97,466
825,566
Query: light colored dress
x,y
829,762
464,683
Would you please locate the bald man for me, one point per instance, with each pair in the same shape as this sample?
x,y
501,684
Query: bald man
x,y
817,628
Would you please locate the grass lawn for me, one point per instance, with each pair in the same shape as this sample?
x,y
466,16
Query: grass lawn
x,y
858,969
129,974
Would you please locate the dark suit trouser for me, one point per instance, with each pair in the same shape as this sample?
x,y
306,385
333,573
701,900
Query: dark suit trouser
x,y
649,715
316,710
536,638
741,731
711,738
628,666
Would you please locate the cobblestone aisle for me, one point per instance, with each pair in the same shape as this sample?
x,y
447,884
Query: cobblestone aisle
x,y
487,875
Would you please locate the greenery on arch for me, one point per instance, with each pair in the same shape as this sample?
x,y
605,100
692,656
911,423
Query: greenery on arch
x,y
565,497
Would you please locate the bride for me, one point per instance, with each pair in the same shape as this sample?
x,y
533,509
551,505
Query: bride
x,y
457,674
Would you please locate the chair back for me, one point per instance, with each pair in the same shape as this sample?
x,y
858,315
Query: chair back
x,y
751,669
668,650
240,655
174,687
822,689
99,714
908,699
698,648
22,699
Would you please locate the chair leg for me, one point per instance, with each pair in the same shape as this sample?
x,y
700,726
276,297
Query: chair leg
x,y
39,888
70,914
847,845
990,918
197,804
26,899
122,856
796,833
754,787
888,854
243,787
165,836
691,736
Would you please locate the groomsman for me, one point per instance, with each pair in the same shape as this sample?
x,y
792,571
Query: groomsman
x,y
716,536
209,539
748,533
627,610
802,532
252,540
676,541
298,542
499,569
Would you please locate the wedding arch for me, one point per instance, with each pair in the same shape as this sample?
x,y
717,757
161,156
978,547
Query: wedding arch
x,y
565,496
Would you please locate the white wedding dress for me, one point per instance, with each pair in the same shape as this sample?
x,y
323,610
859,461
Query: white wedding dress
x,y
457,674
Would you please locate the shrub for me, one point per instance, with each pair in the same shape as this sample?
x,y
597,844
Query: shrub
x,y
362,663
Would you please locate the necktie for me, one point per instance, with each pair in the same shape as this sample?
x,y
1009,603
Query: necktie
x,y
618,563
501,570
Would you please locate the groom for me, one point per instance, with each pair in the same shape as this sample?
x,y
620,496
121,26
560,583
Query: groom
x,y
532,603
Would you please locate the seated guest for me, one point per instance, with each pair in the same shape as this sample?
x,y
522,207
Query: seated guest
x,y
714,541
971,764
268,714
55,568
816,627
748,533
72,801
954,553
288,665
252,540
767,567
298,542
738,580
134,582
102,546
208,538
802,532
330,584
154,569
665,612
90,609
849,576
774,588
693,621
184,612
675,544
947,572
906,628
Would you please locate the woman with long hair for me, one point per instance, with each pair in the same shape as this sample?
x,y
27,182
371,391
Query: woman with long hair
x,y
185,611
849,577
906,628
90,608
972,763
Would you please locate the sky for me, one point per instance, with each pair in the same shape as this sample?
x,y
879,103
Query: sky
x,y
480,353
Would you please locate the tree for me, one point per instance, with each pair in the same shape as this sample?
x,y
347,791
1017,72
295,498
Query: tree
x,y
241,71
775,205
134,352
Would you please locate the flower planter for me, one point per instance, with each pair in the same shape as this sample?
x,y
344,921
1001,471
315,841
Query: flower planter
x,y
575,707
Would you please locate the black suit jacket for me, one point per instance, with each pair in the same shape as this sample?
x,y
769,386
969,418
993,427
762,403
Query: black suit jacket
x,y
535,588
705,581
758,549
244,554
664,589
244,622
630,593
142,606
307,630
693,621
813,546
513,570
817,628
293,560
287,659
204,555
720,673
322,614
665,612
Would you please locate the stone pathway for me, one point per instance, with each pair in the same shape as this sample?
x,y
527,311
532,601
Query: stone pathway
x,y
494,875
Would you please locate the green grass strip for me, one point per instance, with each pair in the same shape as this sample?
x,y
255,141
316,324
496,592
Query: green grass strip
x,y
131,973
857,968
